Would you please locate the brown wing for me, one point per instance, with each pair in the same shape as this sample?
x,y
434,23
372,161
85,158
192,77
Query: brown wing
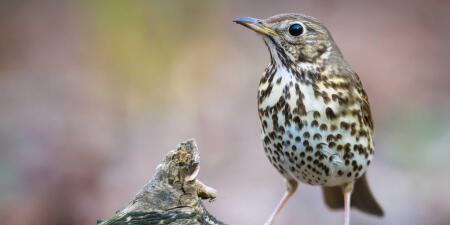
x,y
365,109
352,93
363,100
362,197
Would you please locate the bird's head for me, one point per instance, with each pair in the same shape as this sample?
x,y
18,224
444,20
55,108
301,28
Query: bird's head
x,y
299,38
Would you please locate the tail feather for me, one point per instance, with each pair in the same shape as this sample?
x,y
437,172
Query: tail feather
x,y
362,198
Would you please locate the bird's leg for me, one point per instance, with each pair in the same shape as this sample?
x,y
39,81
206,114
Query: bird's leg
x,y
347,191
291,188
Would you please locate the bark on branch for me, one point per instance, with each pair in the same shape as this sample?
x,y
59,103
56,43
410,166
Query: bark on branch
x,y
173,196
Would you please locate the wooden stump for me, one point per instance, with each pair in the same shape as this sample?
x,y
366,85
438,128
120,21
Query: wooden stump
x,y
173,196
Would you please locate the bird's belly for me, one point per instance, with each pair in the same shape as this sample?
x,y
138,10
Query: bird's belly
x,y
315,150
308,138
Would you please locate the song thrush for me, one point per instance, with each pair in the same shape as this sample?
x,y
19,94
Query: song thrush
x,y
315,115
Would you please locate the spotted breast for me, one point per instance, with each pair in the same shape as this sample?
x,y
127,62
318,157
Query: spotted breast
x,y
314,126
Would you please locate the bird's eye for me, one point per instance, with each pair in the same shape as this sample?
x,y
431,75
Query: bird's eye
x,y
296,29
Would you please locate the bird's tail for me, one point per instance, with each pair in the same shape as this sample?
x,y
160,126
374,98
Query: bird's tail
x,y
362,198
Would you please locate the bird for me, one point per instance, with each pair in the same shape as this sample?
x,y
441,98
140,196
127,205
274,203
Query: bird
x,y
315,116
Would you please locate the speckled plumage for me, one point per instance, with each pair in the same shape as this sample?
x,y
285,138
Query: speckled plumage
x,y
315,115
316,125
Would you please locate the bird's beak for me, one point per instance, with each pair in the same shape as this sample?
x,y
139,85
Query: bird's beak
x,y
255,25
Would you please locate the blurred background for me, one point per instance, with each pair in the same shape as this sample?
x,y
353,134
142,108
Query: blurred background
x,y
94,93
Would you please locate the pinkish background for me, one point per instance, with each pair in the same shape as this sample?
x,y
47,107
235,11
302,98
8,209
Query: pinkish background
x,y
94,93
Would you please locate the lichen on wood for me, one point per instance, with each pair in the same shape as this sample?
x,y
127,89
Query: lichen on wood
x,y
173,195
